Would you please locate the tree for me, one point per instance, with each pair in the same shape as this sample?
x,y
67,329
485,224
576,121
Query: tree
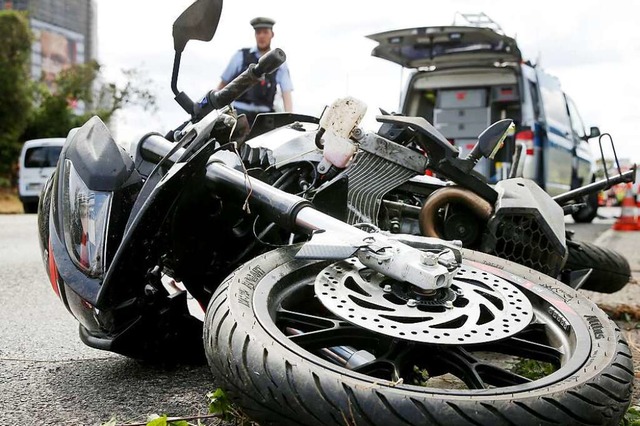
x,y
54,115
31,110
15,101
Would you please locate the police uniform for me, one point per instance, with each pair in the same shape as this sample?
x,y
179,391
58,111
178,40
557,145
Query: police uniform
x,y
260,97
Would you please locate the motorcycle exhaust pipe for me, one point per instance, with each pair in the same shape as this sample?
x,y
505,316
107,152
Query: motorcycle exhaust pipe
x,y
443,196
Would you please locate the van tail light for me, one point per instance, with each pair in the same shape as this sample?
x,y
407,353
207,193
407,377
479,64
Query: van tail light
x,y
526,137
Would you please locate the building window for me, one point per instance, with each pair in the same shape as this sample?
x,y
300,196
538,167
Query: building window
x,y
14,4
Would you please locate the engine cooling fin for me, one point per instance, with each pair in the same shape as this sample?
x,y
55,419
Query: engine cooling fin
x,y
370,178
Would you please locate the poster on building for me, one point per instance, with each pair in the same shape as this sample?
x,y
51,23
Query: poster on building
x,y
54,49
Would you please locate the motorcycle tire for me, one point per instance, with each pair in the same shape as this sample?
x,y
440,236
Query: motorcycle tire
x,y
610,271
277,381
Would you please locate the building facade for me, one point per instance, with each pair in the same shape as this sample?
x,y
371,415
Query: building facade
x,y
65,33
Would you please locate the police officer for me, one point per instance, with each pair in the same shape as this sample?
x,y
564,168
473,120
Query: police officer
x,y
259,98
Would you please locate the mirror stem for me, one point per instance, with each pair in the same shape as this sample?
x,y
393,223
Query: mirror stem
x,y
183,100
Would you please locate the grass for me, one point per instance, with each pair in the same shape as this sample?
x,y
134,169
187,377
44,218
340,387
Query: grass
x,y
9,202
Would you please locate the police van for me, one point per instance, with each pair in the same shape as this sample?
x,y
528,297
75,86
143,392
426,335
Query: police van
x,y
465,77
38,159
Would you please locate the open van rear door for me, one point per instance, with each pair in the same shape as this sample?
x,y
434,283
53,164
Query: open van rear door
x,y
445,46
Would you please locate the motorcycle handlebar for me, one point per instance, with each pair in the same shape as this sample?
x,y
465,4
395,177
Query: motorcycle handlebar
x,y
236,87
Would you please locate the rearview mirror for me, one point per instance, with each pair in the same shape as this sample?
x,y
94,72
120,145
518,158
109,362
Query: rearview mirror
x,y
198,22
491,140
594,132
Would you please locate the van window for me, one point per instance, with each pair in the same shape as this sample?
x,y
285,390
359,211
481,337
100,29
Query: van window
x,y
576,121
42,156
555,108
535,101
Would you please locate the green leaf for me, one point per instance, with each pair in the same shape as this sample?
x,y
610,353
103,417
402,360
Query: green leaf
x,y
631,417
219,403
155,420
111,422
179,423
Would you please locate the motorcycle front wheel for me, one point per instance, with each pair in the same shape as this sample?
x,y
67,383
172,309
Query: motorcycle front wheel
x,y
286,359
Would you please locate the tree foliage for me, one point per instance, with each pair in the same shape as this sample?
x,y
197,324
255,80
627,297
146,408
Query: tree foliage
x,y
31,110
15,102
56,113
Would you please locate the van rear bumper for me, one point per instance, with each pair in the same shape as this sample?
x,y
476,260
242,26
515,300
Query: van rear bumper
x,y
29,198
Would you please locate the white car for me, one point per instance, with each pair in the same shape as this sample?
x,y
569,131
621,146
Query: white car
x,y
38,160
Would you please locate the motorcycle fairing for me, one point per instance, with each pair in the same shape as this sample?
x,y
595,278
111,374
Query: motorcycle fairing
x,y
102,166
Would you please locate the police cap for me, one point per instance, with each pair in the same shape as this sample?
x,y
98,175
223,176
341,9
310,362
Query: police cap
x,y
262,22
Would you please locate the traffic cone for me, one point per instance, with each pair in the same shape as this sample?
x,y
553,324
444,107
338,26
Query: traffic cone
x,y
628,220
637,185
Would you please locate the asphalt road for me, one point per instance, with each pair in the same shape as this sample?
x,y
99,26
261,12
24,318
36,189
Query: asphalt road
x,y
47,376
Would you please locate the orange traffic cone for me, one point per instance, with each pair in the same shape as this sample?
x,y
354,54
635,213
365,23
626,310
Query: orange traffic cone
x,y
637,185
628,220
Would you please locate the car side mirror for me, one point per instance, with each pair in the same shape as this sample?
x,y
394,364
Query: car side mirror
x,y
198,22
594,132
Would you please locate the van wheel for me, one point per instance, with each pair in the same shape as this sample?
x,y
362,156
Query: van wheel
x,y
588,212
30,206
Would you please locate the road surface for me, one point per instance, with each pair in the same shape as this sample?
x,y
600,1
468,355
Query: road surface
x,y
47,376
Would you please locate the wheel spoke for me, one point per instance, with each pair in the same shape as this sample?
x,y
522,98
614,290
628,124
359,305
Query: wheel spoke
x,y
337,336
299,320
391,365
497,376
532,350
462,364
381,369
525,348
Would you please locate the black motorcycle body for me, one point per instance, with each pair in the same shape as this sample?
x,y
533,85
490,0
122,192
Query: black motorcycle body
x,y
340,324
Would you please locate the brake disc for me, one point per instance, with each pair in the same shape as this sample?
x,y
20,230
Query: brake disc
x,y
478,307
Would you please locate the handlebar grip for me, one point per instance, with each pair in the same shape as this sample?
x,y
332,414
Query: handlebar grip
x,y
232,91
270,62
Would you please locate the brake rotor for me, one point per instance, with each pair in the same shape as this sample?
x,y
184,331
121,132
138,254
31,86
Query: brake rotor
x,y
478,307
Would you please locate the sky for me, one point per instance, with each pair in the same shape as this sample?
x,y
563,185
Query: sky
x,y
592,46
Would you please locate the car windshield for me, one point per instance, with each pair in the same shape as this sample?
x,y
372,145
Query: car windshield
x,y
42,156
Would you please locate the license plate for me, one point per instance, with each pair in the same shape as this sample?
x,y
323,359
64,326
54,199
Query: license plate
x,y
34,186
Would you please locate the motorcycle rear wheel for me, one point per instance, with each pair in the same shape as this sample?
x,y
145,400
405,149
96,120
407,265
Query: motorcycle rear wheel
x,y
610,271
278,381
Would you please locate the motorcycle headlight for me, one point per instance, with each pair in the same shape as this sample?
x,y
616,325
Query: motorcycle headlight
x,y
85,219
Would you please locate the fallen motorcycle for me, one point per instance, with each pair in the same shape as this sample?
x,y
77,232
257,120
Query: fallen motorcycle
x,y
385,184
342,324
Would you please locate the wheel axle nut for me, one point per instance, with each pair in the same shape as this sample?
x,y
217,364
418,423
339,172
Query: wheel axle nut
x,y
428,258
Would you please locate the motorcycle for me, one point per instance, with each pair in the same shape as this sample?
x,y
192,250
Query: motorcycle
x,y
386,185
338,323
